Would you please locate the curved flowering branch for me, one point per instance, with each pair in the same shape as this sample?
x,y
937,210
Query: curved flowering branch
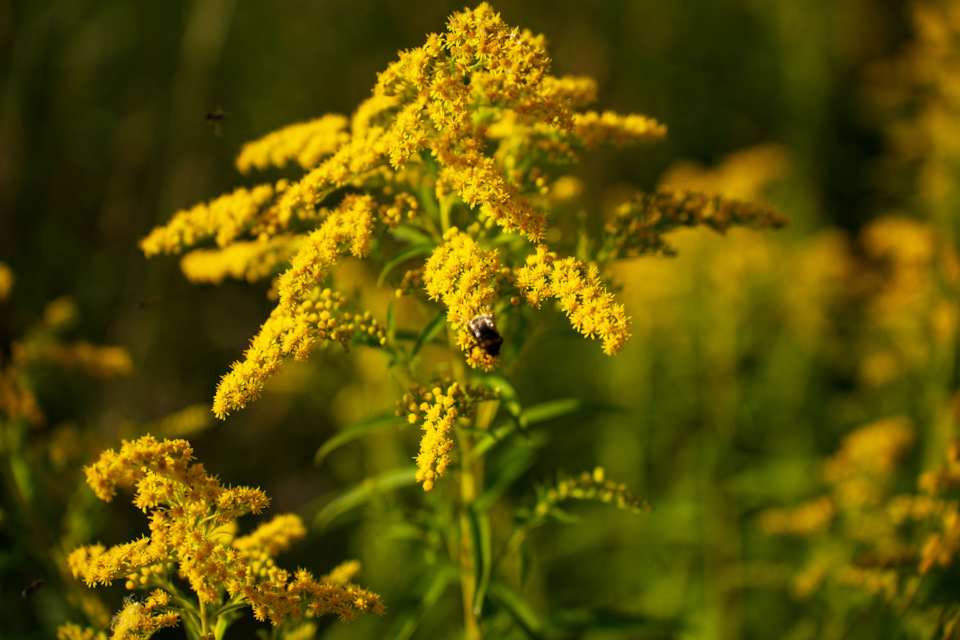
x,y
463,276
192,517
593,311
436,410
456,145
640,223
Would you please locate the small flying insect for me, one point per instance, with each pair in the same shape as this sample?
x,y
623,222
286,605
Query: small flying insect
x,y
483,328
30,588
216,118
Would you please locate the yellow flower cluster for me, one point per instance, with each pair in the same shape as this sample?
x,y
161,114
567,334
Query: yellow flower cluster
x,y
71,631
273,537
224,219
320,315
592,129
593,311
437,410
906,285
867,539
191,517
43,346
142,619
464,278
135,621
250,261
639,224
348,227
461,128
305,142
859,470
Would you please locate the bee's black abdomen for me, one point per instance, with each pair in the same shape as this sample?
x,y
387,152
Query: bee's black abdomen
x,y
485,333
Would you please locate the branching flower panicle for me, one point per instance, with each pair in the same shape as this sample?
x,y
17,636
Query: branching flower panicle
x,y
305,142
191,518
250,261
321,315
451,160
592,309
223,219
436,410
464,278
640,223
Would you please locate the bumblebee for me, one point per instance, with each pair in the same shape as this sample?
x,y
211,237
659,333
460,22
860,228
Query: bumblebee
x,y
483,328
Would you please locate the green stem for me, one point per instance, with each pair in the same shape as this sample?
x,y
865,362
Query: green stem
x,y
204,626
471,476
446,204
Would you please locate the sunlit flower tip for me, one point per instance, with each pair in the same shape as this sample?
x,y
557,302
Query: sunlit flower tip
x,y
250,261
273,537
348,228
464,278
223,219
437,409
592,309
342,573
71,631
592,129
305,142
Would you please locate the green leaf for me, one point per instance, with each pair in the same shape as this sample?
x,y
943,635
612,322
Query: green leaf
x,y
419,249
550,411
517,461
537,414
366,427
410,234
517,608
392,320
574,623
360,493
482,554
406,624
431,331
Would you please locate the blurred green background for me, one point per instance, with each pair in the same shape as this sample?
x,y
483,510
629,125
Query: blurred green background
x,y
745,366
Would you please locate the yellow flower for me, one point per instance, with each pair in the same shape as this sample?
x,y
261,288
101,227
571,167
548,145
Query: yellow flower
x,y
305,142
191,518
348,227
274,536
140,620
224,219
592,309
72,631
463,277
438,409
463,127
250,261
321,314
